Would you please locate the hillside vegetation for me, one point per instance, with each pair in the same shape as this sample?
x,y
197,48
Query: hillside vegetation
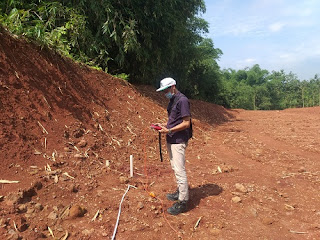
x,y
143,41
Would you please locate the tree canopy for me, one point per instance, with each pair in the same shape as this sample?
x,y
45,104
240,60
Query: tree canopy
x,y
256,88
146,40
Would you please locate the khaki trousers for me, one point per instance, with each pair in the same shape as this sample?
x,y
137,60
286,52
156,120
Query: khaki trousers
x,y
178,162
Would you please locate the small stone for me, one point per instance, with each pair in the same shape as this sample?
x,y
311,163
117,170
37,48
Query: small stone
x,y
13,235
13,198
1,198
302,170
38,207
236,199
107,163
77,211
82,143
123,180
33,171
23,227
315,226
30,211
268,221
66,149
140,205
53,215
134,228
87,232
22,208
253,211
241,188
215,231
75,188
100,193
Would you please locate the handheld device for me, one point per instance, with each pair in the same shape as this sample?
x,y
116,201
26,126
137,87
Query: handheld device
x,y
156,127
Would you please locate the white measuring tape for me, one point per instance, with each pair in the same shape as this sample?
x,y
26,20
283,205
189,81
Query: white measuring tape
x,y
117,223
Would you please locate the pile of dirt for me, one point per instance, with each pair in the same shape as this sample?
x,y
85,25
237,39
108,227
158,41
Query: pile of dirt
x,y
66,135
64,128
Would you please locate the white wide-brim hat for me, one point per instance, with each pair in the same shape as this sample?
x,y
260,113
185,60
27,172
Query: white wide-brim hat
x,y
165,83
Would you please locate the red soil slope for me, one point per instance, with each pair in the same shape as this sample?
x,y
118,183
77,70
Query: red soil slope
x,y
66,134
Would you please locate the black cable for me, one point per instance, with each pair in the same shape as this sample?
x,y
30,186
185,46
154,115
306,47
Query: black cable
x,y
160,147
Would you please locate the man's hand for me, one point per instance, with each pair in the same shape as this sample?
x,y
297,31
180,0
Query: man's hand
x,y
164,130
184,125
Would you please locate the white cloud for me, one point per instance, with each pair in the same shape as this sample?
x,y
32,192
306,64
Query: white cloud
x,y
243,63
276,34
276,27
249,60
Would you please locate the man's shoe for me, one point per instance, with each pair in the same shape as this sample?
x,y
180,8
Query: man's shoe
x,y
173,196
178,207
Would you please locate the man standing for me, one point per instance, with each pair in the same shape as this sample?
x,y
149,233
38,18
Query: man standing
x,y
178,131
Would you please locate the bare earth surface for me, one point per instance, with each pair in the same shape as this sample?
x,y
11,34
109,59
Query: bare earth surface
x,y
66,134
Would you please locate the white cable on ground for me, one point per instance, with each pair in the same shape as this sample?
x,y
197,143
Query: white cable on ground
x,y
115,228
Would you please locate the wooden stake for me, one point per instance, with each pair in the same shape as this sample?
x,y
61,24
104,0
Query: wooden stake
x,y
131,165
8,181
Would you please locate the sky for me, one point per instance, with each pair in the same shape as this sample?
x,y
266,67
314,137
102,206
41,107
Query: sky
x,y
276,34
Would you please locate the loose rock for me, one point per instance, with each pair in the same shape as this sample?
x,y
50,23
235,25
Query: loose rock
x,y
215,231
87,232
236,199
22,208
76,211
74,188
78,155
268,221
140,205
82,143
123,179
241,188
53,215
38,207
